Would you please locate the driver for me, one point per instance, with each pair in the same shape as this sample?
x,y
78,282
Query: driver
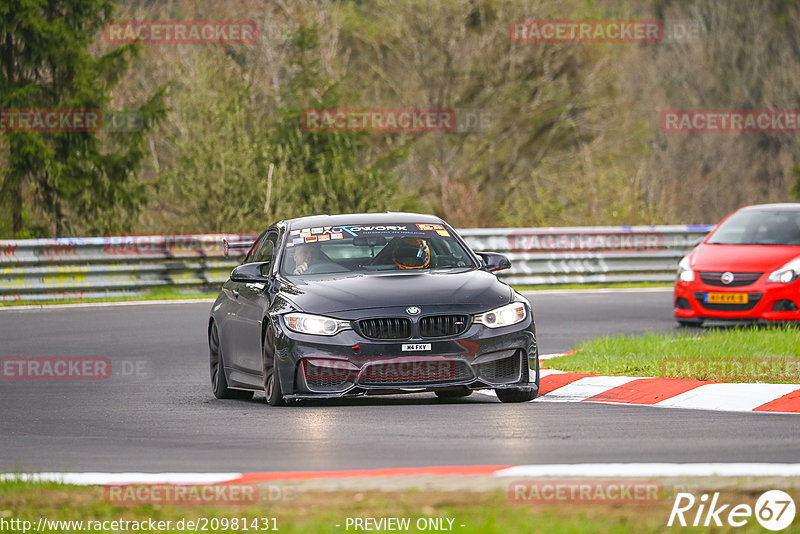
x,y
411,253
305,256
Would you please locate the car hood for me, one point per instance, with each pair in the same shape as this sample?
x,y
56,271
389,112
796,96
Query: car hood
x,y
472,291
742,258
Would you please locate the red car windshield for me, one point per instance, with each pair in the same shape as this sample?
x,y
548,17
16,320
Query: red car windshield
x,y
759,227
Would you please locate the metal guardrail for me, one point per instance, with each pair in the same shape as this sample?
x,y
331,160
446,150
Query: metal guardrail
x,y
589,254
79,268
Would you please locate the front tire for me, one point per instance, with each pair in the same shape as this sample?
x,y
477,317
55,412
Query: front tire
x,y
272,385
521,395
688,323
219,382
272,390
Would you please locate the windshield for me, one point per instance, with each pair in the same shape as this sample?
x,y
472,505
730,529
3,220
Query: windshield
x,y
751,227
373,248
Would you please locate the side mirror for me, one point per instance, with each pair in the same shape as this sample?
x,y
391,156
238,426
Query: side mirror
x,y
234,248
494,262
251,272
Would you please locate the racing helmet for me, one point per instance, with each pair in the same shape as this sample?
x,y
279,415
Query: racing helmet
x,y
411,253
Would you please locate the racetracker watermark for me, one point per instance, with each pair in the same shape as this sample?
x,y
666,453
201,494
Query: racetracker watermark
x,y
761,369
50,120
188,495
398,370
55,368
175,245
411,371
730,121
677,31
71,368
586,31
378,120
585,491
181,32
589,241
123,120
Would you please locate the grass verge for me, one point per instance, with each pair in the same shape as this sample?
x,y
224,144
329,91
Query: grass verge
x,y
316,511
751,354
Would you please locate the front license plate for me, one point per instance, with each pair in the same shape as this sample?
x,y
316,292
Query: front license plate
x,y
413,347
726,298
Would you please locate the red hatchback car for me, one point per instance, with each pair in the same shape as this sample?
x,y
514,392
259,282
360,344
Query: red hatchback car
x,y
747,268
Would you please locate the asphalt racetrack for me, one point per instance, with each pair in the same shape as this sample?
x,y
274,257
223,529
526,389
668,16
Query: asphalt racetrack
x,y
156,412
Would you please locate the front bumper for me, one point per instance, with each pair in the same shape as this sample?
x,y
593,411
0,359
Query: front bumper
x,y
348,364
766,302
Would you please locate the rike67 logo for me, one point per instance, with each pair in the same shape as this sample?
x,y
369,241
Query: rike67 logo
x,y
774,510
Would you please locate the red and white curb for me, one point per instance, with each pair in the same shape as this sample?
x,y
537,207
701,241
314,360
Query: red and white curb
x,y
560,386
589,470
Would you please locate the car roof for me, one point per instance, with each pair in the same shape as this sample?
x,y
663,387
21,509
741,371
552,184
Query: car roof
x,y
786,206
388,217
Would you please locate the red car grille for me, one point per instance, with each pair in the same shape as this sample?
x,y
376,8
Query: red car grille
x,y
712,278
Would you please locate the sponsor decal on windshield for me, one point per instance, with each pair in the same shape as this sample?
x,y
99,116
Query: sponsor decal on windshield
x,y
328,233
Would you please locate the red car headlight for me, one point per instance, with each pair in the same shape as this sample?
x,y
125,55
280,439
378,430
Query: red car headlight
x,y
685,272
786,274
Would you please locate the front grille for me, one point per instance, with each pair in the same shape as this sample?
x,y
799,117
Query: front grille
x,y
739,279
387,328
752,301
414,372
324,378
443,325
503,370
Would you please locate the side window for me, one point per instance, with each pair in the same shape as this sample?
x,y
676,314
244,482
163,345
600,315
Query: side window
x,y
252,252
266,249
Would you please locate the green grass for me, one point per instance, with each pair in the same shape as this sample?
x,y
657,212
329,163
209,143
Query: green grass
x,y
317,511
752,354
600,285
162,293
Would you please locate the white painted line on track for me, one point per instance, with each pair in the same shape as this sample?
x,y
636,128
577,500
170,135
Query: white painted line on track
x,y
103,304
191,301
653,470
543,357
598,290
97,478
584,470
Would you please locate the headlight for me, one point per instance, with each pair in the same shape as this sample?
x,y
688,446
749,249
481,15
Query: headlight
x,y
503,316
786,274
319,325
685,273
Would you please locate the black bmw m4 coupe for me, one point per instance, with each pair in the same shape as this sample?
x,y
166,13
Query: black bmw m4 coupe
x,y
346,305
